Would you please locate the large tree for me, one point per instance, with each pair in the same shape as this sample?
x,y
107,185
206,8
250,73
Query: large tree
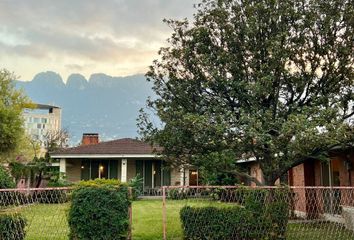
x,y
269,80
12,103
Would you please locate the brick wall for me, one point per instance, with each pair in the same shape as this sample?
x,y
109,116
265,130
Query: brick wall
x,y
175,177
256,172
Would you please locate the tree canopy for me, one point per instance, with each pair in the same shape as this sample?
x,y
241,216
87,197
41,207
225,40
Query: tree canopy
x,y
269,80
12,103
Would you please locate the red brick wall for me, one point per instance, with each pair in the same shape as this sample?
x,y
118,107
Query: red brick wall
x,y
256,172
298,175
338,162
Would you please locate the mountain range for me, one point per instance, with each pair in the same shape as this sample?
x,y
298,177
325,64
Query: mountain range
x,y
102,104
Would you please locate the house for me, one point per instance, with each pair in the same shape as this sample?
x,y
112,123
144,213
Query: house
x,y
339,171
122,159
322,201
315,184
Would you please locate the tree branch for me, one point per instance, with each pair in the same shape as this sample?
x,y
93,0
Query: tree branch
x,y
249,177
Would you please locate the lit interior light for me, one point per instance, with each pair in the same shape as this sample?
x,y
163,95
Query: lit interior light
x,y
82,167
101,168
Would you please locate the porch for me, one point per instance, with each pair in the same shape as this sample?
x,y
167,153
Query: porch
x,y
154,173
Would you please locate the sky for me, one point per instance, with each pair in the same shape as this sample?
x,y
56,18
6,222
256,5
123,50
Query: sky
x,y
115,37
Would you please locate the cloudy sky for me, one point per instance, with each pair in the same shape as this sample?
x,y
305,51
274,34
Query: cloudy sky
x,y
116,37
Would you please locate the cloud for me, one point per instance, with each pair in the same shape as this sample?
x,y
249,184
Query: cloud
x,y
110,34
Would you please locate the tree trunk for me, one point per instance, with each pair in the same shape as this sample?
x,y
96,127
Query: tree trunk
x,y
39,181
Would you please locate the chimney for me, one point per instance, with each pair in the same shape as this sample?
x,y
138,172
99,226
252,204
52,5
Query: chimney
x,y
90,139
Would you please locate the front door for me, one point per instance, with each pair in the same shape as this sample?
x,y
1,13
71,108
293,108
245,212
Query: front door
x,y
310,194
193,177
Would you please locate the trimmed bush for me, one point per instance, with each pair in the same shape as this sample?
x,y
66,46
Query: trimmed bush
x,y
215,222
263,215
12,227
99,211
278,212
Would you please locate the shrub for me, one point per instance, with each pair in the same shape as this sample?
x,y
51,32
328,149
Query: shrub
x,y
136,184
99,210
177,194
263,215
215,222
12,227
6,181
278,212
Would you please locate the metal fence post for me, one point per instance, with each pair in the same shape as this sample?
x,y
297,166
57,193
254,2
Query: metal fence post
x,y
164,212
130,211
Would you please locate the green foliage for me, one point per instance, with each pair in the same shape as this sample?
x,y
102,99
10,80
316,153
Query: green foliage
x,y
12,227
12,102
100,182
136,185
25,151
6,181
177,194
256,79
60,183
258,214
213,222
99,210
18,170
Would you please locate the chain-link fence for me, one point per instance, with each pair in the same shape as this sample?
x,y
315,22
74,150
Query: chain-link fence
x,y
202,212
230,212
34,213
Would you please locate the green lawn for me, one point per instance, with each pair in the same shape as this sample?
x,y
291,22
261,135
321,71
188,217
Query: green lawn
x,y
147,218
48,221
320,230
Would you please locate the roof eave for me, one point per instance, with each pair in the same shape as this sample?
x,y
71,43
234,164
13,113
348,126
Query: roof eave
x,y
108,155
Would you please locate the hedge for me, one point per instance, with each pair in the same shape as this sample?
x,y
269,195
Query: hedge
x,y
264,215
12,227
99,211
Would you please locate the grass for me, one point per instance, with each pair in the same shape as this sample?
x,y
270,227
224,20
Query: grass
x,y
147,218
318,230
48,221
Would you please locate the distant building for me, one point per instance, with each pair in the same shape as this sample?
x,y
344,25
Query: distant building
x,y
42,119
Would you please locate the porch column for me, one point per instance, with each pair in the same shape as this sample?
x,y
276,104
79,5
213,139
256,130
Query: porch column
x,y
124,170
62,168
182,176
153,175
